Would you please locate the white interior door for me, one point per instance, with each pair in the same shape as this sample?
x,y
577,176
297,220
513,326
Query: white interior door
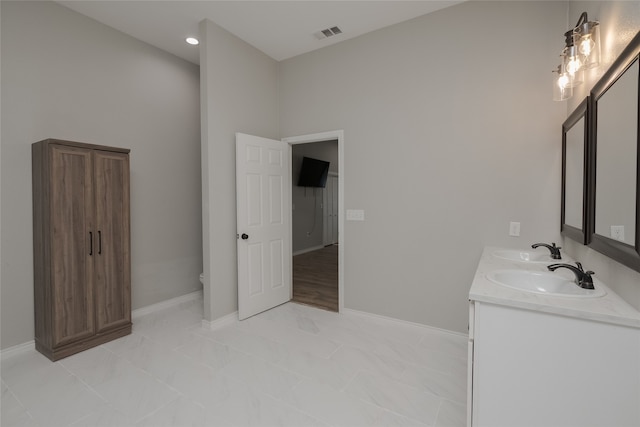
x,y
263,183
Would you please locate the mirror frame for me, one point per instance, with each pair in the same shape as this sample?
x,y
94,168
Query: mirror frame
x,y
572,232
619,251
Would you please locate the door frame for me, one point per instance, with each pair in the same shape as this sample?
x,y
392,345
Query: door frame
x,y
325,209
320,137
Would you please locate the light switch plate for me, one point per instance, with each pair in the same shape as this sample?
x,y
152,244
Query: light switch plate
x,y
355,215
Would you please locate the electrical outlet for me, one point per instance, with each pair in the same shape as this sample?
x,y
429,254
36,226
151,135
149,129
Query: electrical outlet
x,y
617,232
514,229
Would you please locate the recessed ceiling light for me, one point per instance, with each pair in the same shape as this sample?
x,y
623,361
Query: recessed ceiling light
x,y
192,40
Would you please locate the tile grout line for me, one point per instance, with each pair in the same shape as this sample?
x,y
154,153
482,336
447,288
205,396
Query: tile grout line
x,y
435,421
335,351
80,419
104,400
287,344
344,389
408,417
290,405
155,411
22,405
248,354
179,393
391,410
409,361
270,362
263,359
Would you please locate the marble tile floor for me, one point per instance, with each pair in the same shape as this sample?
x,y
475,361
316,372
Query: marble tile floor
x,y
290,366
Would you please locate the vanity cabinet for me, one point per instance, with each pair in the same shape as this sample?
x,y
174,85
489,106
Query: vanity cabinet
x,y
82,271
535,368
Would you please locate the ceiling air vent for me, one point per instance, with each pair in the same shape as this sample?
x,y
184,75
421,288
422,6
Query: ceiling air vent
x,y
329,32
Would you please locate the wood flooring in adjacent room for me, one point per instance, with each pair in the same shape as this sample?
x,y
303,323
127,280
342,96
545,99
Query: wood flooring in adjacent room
x,y
315,278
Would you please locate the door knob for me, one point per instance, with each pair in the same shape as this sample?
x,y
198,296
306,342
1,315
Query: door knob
x,y
244,236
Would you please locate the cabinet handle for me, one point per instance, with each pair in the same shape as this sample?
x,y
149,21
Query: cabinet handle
x,y
99,242
90,243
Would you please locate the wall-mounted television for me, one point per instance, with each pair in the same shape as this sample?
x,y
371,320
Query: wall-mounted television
x,y
313,173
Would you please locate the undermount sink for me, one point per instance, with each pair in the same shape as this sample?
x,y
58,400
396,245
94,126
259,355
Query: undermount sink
x,y
525,256
541,282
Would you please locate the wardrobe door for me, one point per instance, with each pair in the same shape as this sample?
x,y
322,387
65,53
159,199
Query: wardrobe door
x,y
71,216
112,262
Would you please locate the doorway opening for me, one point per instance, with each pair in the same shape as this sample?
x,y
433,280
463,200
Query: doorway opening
x,y
316,226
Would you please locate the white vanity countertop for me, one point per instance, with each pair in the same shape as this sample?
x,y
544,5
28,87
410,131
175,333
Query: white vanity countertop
x,y
609,308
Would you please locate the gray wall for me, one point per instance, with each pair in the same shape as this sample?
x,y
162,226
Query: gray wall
x,y
239,93
66,76
450,134
307,227
620,21
1,259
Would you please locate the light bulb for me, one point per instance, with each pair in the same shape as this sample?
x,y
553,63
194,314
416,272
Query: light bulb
x,y
587,37
573,65
586,46
563,81
562,85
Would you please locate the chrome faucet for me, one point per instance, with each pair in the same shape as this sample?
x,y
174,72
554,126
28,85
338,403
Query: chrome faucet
x,y
555,250
583,278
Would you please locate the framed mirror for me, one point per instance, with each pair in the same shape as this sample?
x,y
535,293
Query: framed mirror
x,y
574,178
614,228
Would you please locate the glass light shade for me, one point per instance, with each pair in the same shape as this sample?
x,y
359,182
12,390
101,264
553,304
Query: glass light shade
x,y
562,88
577,78
572,64
572,59
588,42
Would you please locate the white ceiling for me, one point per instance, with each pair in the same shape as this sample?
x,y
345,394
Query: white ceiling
x,y
281,29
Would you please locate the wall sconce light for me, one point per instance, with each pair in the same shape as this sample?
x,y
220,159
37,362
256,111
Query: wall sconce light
x,y
562,88
587,37
581,51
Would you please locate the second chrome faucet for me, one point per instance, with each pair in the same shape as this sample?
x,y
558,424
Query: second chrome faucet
x,y
555,250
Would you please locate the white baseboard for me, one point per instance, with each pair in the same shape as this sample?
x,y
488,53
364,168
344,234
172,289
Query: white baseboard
x,y
221,322
349,311
139,312
18,350
28,346
304,251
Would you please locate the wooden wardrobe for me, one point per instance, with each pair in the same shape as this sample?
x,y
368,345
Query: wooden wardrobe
x,y
81,244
